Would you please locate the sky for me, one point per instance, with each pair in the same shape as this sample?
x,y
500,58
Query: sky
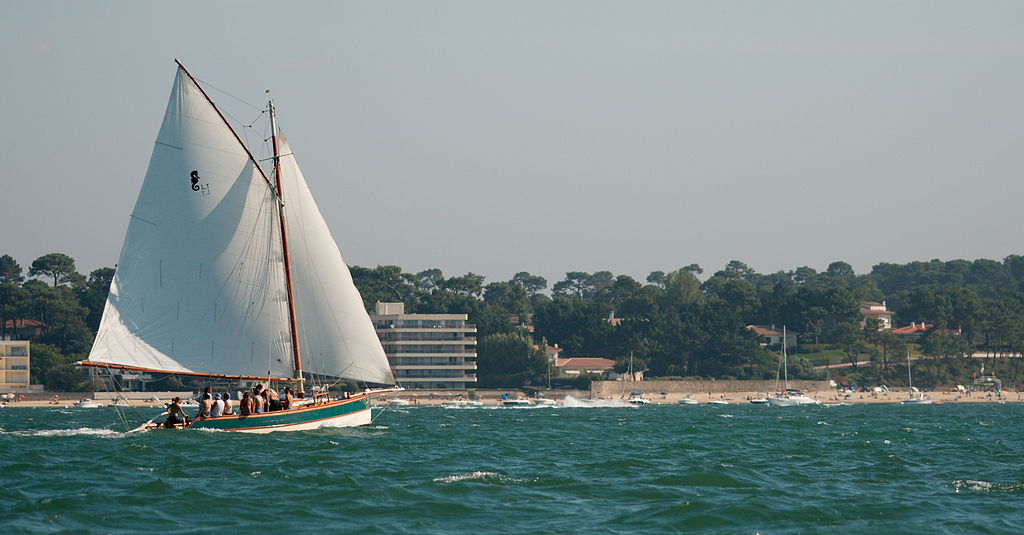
x,y
496,137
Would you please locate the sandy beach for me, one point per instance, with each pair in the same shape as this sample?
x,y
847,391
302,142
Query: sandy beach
x,y
439,398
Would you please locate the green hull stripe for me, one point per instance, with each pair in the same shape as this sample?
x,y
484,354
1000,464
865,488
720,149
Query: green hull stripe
x,y
283,418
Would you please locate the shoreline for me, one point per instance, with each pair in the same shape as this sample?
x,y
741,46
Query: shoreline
x,y
437,399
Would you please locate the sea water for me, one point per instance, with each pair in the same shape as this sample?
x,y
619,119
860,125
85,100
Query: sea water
x,y
885,468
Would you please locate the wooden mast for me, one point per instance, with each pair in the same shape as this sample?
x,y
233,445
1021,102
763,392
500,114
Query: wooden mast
x,y
293,329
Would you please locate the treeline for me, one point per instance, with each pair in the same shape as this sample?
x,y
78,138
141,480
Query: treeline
x,y
67,306
673,323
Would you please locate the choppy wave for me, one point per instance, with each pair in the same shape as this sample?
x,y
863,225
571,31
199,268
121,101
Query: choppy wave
x,y
661,469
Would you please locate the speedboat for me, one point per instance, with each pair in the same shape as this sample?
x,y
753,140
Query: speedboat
x,y
759,401
688,401
545,402
515,402
717,402
87,404
637,398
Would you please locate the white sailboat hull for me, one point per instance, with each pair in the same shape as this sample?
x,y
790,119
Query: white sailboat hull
x,y
791,401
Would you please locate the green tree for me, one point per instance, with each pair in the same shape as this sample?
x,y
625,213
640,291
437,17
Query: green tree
x,y
510,360
57,266
10,271
533,284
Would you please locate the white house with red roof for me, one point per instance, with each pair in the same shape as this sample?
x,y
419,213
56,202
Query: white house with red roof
x,y
769,335
872,310
574,366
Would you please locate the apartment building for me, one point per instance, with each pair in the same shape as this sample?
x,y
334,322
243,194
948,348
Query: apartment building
x,y
14,366
427,351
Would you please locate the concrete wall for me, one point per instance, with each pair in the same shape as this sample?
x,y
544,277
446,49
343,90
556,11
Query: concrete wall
x,y
613,389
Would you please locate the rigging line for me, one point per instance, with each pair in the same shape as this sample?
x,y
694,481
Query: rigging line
x,y
226,93
123,416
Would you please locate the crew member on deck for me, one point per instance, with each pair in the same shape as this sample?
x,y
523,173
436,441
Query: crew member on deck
x,y
227,403
272,399
257,399
175,414
289,399
247,407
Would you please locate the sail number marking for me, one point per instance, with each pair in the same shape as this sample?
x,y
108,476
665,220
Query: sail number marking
x,y
196,186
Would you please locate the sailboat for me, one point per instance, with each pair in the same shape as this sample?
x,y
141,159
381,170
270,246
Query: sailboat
x,y
635,399
920,399
787,398
212,282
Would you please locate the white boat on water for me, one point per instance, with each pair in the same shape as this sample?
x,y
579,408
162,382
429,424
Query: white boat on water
x,y
461,403
638,399
688,401
789,397
230,290
545,402
763,400
87,404
514,402
717,402
920,398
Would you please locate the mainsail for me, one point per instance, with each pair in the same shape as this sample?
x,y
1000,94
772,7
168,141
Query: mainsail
x,y
199,287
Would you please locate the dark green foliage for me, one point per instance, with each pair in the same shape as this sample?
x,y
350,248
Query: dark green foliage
x,y
674,324
510,360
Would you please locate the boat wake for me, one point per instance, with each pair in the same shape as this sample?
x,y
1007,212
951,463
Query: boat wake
x,y
82,431
571,401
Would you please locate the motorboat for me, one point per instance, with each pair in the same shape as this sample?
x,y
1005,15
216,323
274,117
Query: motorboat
x,y
509,401
637,398
688,401
87,404
717,402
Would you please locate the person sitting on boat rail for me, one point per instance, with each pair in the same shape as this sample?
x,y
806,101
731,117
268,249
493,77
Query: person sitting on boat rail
x,y
204,409
257,400
272,399
227,403
175,414
205,406
246,407
217,409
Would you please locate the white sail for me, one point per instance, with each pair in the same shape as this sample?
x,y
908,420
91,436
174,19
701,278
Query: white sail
x,y
336,336
199,285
